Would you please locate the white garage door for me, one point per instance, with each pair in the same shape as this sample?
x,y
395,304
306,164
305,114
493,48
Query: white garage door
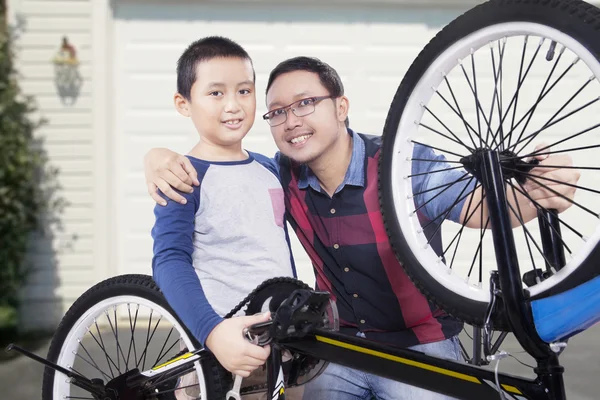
x,y
370,46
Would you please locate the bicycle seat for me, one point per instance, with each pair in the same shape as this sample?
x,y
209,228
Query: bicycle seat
x,y
566,314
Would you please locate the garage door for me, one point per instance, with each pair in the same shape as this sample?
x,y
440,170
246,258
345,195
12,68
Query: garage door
x,y
370,46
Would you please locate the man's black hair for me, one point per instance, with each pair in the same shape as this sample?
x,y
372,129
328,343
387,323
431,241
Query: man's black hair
x,y
328,76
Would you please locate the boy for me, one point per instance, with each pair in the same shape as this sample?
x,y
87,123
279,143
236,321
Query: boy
x,y
229,234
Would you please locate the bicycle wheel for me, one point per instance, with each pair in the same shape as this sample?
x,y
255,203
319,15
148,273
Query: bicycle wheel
x,y
118,325
505,76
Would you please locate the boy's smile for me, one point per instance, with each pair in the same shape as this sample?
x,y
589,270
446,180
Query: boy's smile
x,y
222,103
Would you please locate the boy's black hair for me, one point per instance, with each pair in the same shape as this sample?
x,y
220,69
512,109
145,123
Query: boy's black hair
x,y
327,75
203,50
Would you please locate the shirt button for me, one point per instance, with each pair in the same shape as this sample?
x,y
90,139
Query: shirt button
x,y
336,246
346,269
332,211
362,321
355,295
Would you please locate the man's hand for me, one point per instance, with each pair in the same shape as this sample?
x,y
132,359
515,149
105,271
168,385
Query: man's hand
x,y
235,353
165,170
548,185
551,186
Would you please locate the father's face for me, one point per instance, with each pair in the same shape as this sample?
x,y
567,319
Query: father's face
x,y
306,138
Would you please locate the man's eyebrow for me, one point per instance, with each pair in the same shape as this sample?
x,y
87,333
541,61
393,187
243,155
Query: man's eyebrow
x,y
297,96
244,83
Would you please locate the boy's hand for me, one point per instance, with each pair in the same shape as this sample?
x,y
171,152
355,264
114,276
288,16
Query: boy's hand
x,y
165,170
235,353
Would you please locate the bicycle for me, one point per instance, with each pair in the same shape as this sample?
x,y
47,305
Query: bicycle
x,y
538,314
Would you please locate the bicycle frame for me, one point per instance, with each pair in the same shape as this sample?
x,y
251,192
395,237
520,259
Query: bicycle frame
x,y
414,368
447,376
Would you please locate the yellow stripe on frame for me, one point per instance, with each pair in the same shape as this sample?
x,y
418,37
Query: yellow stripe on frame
x,y
511,389
398,359
181,357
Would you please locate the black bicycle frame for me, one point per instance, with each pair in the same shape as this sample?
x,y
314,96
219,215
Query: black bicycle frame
x,y
449,377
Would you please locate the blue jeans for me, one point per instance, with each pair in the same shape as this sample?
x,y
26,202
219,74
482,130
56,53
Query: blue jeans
x,y
342,383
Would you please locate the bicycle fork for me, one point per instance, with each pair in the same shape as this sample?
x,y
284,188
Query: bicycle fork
x,y
549,371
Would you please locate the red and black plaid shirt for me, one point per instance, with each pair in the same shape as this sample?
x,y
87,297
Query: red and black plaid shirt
x,y
346,241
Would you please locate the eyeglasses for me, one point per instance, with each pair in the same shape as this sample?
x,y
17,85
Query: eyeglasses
x,y
300,108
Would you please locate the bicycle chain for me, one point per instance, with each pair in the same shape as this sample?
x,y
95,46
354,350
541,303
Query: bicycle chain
x,y
262,286
245,302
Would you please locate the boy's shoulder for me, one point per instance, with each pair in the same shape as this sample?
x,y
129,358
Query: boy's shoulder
x,y
267,162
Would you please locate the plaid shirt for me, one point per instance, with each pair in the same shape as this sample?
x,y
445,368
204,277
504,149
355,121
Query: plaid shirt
x,y
346,241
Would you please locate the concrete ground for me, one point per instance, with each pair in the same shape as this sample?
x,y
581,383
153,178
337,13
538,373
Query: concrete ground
x,y
21,378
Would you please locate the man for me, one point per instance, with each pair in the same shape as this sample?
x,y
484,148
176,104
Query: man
x,y
329,175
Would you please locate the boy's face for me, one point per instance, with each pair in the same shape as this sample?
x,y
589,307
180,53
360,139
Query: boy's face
x,y
305,139
222,101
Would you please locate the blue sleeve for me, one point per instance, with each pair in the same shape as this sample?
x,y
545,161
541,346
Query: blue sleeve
x,y
173,268
269,163
440,190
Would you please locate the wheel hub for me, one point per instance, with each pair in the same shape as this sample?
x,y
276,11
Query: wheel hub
x,y
512,165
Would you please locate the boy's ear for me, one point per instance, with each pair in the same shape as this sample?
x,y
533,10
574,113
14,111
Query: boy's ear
x,y
181,105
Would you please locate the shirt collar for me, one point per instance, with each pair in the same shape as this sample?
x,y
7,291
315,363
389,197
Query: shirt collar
x,y
355,175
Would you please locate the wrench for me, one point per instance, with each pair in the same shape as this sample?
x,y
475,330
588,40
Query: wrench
x,y
234,393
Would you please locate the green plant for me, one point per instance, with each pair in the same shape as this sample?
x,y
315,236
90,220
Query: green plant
x,y
26,182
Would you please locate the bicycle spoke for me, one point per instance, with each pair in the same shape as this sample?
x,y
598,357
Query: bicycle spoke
x,y
459,112
149,339
436,161
437,148
541,95
433,172
515,97
116,335
434,197
94,362
528,233
83,398
530,112
495,96
447,211
482,232
160,353
447,137
538,151
101,345
539,207
565,197
524,234
464,224
478,107
463,178
559,166
551,121
132,327
92,365
555,181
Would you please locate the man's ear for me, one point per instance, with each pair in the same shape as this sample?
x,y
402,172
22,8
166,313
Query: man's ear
x,y
343,108
181,105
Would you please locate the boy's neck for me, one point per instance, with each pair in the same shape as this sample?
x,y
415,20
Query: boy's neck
x,y
330,169
212,152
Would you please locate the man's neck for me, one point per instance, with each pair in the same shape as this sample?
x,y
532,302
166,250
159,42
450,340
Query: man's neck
x,y
330,169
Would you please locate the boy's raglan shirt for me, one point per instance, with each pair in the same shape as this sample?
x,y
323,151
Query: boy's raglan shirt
x,y
228,238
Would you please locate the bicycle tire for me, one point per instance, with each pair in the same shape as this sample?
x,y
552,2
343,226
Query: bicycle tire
x,y
577,19
215,378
